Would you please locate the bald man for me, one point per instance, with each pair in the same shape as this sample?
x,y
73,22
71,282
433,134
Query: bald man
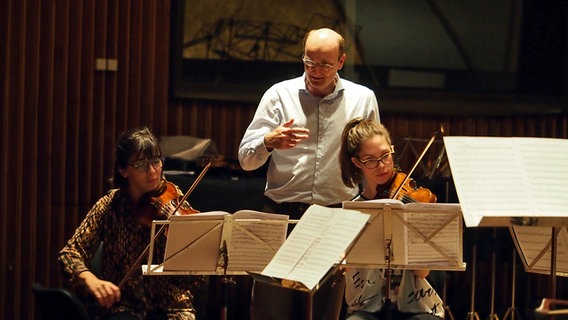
x,y
298,126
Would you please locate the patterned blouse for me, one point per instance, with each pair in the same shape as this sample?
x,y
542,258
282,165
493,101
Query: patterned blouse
x,y
147,297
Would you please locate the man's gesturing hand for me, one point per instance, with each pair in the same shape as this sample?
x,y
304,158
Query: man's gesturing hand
x,y
285,137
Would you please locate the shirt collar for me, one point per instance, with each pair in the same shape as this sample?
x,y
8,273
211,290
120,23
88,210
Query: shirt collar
x,y
336,91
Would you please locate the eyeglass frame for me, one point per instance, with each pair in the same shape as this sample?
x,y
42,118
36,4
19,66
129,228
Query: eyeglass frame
x,y
143,168
312,64
379,160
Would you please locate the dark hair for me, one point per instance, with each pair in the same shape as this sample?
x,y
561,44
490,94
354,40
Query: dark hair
x,y
134,141
354,133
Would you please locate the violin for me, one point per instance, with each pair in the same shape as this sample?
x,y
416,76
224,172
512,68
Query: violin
x,y
161,204
404,188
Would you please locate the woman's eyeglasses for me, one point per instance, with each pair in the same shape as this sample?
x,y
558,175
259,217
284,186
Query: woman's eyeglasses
x,y
143,165
372,163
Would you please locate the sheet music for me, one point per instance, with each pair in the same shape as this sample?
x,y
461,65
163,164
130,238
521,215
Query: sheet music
x,y
255,238
248,239
194,235
317,242
534,245
422,235
509,177
419,248
546,163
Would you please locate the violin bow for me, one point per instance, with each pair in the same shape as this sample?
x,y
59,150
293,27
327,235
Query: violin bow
x,y
162,228
193,185
418,161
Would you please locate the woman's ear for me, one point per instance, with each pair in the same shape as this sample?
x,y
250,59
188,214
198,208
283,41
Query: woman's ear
x,y
123,173
357,163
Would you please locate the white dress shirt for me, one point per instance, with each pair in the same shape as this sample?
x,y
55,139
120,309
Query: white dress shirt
x,y
310,172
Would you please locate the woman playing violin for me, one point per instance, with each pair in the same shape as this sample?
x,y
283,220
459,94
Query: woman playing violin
x,y
366,160
119,220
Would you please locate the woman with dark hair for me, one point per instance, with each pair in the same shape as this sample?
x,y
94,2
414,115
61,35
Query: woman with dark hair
x,y
121,220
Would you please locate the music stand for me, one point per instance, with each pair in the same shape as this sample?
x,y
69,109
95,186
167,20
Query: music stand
x,y
310,254
218,243
407,236
416,242
514,196
317,243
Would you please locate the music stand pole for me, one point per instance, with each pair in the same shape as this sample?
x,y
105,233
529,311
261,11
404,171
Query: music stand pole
x,y
226,282
512,312
447,310
472,314
493,315
553,253
387,304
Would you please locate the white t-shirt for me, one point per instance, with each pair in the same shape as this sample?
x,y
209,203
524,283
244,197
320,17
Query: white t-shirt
x,y
365,291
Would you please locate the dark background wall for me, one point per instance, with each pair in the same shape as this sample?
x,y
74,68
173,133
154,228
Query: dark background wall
x,y
61,116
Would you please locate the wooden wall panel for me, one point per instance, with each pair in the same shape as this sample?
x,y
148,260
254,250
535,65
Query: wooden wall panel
x,y
60,119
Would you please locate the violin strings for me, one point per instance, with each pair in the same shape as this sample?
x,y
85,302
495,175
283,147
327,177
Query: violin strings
x,y
407,198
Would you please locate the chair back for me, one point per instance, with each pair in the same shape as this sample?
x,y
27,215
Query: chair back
x,y
57,303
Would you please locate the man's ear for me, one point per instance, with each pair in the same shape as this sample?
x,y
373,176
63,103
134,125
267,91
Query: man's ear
x,y
341,61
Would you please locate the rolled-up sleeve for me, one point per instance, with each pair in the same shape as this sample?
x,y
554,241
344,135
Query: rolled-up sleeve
x,y
252,151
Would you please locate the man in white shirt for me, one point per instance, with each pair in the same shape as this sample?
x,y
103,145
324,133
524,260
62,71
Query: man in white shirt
x,y
298,126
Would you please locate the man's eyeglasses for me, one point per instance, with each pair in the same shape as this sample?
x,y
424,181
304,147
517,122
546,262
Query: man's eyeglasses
x,y
312,64
143,165
372,163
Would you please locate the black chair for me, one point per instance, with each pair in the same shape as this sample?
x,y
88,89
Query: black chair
x,y
57,303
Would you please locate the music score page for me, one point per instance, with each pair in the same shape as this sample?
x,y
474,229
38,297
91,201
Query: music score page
x,y
534,247
509,177
421,235
318,241
200,242
255,238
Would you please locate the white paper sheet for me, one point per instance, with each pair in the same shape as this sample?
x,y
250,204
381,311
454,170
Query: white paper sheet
x,y
318,241
425,235
534,247
509,177
198,242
